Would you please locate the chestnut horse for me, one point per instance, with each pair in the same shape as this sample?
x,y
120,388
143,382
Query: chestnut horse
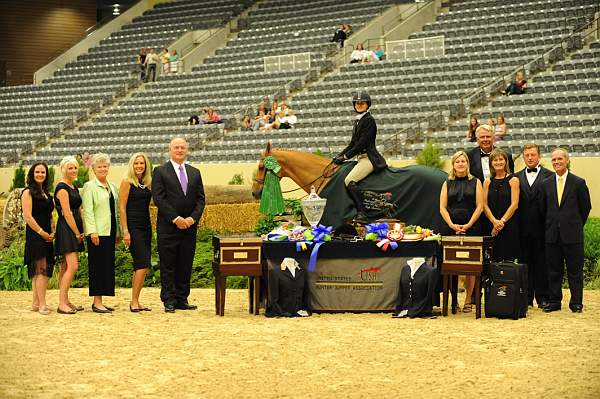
x,y
304,168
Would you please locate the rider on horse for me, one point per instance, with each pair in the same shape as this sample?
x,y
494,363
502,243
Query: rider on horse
x,y
362,146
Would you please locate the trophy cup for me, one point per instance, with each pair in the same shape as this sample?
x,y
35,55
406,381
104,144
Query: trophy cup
x,y
313,207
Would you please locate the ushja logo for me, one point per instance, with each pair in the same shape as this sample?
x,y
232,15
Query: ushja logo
x,y
370,274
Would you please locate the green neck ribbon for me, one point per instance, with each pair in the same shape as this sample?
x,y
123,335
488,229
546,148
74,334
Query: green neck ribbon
x,y
271,202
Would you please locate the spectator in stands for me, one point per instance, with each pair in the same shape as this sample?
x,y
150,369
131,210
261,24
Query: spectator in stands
x,y
261,106
246,123
260,120
518,86
212,116
273,110
500,203
141,62
461,204
274,122
339,36
358,55
101,219
174,61
288,121
348,30
195,120
500,128
165,58
69,232
134,212
282,107
150,63
473,125
379,53
37,206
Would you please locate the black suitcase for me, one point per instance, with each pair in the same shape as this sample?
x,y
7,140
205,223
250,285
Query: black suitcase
x,y
506,290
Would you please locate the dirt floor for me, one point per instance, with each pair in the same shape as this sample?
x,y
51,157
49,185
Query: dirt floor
x,y
195,354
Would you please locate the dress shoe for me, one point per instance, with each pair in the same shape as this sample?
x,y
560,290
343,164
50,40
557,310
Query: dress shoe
x,y
109,308
134,310
70,311
186,306
576,308
169,308
551,308
77,308
543,305
96,309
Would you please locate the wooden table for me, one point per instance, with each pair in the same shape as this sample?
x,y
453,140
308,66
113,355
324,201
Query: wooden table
x,y
466,256
237,256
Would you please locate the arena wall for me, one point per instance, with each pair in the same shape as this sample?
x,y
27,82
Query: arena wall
x,y
219,174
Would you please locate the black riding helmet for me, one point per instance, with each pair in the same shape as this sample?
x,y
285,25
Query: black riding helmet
x,y
361,96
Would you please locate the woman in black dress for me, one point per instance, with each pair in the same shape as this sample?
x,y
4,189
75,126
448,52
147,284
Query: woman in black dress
x,y
69,232
501,200
134,202
100,199
461,204
37,206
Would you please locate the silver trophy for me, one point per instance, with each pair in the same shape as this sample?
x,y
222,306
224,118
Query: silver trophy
x,y
313,207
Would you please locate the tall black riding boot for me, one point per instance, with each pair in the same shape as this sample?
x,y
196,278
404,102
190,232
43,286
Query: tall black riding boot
x,y
357,198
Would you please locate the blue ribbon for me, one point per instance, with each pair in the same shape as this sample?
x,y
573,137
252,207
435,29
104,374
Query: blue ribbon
x,y
321,234
381,229
312,263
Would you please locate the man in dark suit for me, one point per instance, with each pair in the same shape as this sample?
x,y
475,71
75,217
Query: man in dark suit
x,y
479,156
531,227
178,193
566,204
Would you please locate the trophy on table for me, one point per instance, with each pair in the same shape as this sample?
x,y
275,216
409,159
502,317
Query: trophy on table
x,y
313,207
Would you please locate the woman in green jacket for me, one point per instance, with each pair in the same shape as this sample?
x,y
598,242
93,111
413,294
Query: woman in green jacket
x,y
101,217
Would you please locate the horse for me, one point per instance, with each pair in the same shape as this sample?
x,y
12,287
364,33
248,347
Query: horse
x,y
410,194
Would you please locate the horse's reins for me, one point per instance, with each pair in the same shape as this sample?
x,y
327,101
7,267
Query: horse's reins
x,y
324,175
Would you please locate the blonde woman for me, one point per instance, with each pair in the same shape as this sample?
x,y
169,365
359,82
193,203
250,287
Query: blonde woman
x,y
100,199
69,231
134,202
461,204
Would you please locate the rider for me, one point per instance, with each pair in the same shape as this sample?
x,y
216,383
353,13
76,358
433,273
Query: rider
x,y
362,146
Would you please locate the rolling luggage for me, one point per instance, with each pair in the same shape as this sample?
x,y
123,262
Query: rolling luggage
x,y
506,290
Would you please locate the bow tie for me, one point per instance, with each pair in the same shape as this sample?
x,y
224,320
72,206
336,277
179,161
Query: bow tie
x,y
531,170
483,154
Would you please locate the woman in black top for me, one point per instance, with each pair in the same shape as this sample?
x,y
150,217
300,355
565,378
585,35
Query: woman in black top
x,y
39,255
501,200
69,231
134,205
461,204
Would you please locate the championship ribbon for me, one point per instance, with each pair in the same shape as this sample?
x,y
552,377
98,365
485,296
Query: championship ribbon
x,y
271,201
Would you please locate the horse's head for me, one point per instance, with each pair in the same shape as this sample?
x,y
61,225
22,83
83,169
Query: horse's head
x,y
259,176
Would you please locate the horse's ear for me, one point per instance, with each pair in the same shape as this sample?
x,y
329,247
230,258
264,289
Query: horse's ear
x,y
268,150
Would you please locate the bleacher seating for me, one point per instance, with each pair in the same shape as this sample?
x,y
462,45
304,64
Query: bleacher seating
x,y
482,42
103,72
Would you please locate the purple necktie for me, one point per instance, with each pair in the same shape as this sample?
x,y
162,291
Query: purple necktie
x,y
183,179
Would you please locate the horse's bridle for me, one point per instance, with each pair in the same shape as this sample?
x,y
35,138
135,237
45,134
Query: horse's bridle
x,y
327,173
